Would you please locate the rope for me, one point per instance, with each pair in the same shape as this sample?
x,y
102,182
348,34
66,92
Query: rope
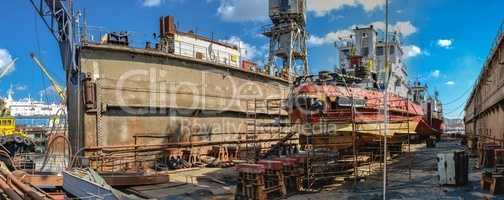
x,y
459,97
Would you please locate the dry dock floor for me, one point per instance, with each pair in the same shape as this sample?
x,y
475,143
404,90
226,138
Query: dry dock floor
x,y
217,183
422,185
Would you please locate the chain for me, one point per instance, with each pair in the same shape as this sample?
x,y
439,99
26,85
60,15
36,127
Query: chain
x,y
99,133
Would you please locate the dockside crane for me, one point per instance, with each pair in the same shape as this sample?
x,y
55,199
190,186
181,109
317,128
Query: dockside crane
x,y
57,15
54,83
59,18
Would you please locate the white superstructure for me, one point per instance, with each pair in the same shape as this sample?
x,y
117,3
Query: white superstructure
x,y
195,46
31,108
363,55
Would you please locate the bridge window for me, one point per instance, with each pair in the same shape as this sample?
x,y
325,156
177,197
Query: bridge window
x,y
380,51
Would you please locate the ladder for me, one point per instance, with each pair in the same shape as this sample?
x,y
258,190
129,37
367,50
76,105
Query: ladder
x,y
251,146
274,110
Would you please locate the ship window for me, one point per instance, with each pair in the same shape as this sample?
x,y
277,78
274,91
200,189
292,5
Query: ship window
x,y
391,50
364,35
379,51
284,4
365,51
345,52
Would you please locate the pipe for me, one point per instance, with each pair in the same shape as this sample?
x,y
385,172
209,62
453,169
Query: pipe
x,y
176,144
9,191
23,187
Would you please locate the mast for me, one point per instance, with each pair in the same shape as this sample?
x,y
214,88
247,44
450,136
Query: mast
x,y
385,101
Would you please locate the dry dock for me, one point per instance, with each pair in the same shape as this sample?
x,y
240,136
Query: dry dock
x,y
423,184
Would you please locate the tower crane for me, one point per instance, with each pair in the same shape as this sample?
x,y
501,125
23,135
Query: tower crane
x,y
54,83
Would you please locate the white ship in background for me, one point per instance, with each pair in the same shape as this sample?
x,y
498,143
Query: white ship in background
x,y
28,107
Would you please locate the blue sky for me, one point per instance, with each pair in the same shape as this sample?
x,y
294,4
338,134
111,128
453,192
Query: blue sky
x,y
447,40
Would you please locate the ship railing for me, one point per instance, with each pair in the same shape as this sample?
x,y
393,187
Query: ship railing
x,y
344,115
94,35
394,104
41,162
205,53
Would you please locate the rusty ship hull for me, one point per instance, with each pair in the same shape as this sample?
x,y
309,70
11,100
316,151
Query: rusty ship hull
x,y
138,104
333,124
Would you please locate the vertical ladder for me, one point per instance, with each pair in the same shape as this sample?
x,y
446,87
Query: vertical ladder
x,y
275,112
251,132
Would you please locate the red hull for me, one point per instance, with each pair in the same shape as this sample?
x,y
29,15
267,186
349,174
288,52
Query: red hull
x,y
400,109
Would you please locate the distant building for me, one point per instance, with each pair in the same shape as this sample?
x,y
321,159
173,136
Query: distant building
x,y
454,126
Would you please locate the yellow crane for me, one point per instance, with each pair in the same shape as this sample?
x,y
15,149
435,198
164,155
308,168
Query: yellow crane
x,y
54,83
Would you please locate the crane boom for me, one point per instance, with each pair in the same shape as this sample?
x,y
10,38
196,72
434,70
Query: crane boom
x,y
7,67
54,83
57,16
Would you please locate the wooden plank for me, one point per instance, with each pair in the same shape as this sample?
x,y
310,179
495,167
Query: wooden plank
x,y
43,181
135,179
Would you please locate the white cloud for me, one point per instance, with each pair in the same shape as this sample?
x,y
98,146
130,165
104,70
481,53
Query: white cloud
x,y
406,28
5,59
19,87
243,10
247,50
151,3
411,51
257,10
445,43
436,73
333,18
450,83
48,92
324,7
329,38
